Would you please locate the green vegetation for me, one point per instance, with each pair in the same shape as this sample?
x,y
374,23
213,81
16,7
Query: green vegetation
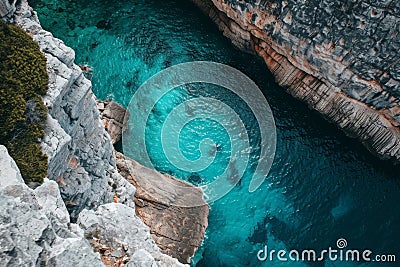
x,y
23,80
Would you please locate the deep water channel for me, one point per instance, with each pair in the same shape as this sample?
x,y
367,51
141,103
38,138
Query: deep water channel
x,y
322,186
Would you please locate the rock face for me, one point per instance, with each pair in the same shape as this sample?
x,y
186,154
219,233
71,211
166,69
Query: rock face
x,y
340,57
113,116
121,238
36,230
80,153
35,225
7,8
175,211
8,169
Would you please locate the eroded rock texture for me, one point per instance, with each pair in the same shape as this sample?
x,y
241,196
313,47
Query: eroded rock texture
x,y
35,228
80,153
340,57
113,117
175,211
36,232
121,238
7,8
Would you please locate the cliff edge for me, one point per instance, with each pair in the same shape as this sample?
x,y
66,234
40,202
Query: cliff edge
x,y
340,57
84,213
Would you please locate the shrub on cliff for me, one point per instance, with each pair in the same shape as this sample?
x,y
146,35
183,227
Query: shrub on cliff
x,y
23,80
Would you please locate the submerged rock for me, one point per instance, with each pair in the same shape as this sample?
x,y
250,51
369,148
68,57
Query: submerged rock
x,y
103,24
174,210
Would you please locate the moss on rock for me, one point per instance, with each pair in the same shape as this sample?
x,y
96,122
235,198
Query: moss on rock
x,y
23,80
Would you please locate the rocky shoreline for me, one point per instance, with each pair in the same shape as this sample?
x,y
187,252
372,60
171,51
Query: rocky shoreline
x,y
324,53
93,210
176,226
84,213
177,229
114,118
37,230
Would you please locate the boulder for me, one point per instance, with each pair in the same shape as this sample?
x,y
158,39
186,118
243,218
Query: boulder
x,y
174,210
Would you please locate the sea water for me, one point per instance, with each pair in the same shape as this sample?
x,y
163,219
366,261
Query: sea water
x,y
322,186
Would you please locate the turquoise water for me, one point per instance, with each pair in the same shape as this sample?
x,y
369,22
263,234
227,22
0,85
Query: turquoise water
x,y
322,186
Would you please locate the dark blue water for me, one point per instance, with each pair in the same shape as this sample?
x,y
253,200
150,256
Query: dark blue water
x,y
322,186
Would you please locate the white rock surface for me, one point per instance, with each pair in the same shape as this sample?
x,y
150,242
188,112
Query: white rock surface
x,y
7,8
81,156
35,226
8,169
115,230
36,231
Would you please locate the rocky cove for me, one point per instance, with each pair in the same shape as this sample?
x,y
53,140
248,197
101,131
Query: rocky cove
x,y
88,173
54,225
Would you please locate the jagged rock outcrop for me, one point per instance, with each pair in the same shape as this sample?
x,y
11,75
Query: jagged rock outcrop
x,y
35,224
174,210
162,202
120,237
36,229
113,116
8,169
81,158
7,8
38,232
340,57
